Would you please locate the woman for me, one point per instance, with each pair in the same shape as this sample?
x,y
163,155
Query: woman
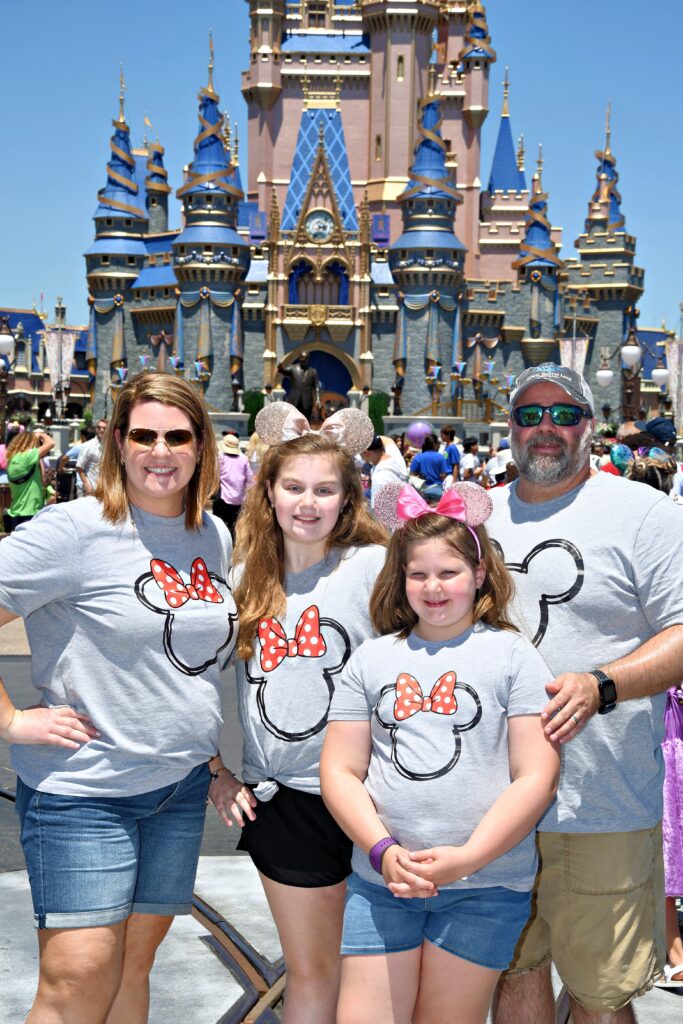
x,y
129,618
236,475
25,453
308,552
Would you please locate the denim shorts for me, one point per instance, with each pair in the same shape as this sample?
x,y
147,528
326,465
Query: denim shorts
x,y
479,925
93,861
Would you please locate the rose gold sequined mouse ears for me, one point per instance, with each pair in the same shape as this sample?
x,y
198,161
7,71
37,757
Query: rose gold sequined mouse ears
x,y
396,503
280,422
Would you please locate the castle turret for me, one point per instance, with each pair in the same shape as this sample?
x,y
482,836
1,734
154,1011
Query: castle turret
x,y
157,188
538,266
427,263
603,279
210,258
505,203
115,259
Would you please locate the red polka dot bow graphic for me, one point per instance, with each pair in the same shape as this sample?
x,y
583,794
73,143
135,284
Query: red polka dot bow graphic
x,y
177,593
410,698
275,646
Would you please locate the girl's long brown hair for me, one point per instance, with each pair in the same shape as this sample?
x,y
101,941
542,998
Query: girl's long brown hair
x,y
152,386
389,608
259,546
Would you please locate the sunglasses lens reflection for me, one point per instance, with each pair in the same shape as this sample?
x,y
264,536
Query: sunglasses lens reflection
x,y
140,437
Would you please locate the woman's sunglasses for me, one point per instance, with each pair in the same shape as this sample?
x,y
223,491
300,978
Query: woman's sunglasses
x,y
562,415
143,437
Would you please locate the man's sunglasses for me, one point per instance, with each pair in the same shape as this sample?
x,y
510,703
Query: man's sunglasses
x,y
562,415
142,437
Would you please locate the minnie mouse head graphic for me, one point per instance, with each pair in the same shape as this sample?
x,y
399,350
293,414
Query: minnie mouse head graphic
x,y
400,709
164,591
312,677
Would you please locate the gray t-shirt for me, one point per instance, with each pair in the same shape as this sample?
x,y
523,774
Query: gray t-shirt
x,y
285,690
439,757
129,625
88,459
598,572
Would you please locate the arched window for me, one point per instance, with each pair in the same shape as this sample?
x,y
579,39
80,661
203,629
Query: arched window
x,y
400,68
378,147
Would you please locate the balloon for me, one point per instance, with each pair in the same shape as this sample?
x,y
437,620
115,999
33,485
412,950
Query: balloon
x,y
417,432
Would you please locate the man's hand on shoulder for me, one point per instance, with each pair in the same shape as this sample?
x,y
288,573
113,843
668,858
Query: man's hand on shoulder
x,y
575,699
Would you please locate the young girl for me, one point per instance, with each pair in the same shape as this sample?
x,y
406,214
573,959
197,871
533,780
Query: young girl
x,y
307,555
436,765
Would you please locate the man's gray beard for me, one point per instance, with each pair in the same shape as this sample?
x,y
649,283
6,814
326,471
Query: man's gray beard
x,y
551,469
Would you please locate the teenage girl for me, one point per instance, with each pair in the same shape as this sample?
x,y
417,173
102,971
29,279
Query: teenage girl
x,y
436,765
308,554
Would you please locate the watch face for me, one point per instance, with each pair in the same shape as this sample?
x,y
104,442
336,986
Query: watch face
x,y
319,225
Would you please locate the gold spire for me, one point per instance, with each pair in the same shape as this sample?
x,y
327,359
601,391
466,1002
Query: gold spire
x,y
236,148
431,82
122,89
520,153
538,176
210,87
506,94
608,130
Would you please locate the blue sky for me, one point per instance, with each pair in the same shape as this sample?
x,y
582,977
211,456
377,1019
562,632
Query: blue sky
x,y
59,79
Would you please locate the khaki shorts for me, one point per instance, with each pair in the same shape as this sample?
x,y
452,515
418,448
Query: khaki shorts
x,y
598,913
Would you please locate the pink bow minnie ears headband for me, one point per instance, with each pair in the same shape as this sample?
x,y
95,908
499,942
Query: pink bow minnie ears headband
x,y
466,503
279,422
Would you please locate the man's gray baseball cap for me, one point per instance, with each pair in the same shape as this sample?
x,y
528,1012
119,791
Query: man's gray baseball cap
x,y
550,373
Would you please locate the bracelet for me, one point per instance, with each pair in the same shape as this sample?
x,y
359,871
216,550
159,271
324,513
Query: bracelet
x,y
216,773
377,852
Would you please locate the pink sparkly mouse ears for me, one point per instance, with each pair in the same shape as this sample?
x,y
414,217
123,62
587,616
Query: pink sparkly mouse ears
x,y
467,503
279,422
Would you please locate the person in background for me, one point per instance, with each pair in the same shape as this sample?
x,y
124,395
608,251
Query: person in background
x,y
388,465
450,451
254,452
89,456
431,466
236,476
470,463
25,475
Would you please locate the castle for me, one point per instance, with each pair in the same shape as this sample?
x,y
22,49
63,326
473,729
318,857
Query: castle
x,y
363,233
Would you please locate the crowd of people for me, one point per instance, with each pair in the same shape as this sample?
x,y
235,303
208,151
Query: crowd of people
x,y
453,681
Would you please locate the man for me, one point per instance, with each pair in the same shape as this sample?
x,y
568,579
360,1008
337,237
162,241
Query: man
x,y
388,465
304,388
599,580
450,451
470,463
89,456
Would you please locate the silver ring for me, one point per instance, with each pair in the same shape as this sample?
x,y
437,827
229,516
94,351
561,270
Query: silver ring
x,y
575,721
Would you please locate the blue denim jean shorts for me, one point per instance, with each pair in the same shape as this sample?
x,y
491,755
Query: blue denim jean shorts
x,y
93,861
479,925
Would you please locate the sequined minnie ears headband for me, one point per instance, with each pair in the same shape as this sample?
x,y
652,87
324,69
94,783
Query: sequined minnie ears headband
x,y
279,422
467,503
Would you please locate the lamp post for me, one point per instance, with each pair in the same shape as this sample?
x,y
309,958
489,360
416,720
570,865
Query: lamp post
x,y
7,344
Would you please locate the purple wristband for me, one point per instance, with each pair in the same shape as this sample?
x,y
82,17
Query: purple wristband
x,y
375,855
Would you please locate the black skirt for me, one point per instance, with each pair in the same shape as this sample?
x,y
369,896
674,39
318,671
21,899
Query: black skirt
x,y
296,841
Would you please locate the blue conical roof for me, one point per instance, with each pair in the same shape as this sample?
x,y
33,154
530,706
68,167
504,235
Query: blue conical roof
x,y
157,175
505,173
429,175
607,189
538,248
120,195
210,169
477,38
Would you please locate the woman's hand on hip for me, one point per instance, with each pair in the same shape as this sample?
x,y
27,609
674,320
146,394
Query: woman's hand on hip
x,y
57,726
232,798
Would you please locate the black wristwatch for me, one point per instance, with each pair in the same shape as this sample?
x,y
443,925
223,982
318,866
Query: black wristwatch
x,y
607,691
